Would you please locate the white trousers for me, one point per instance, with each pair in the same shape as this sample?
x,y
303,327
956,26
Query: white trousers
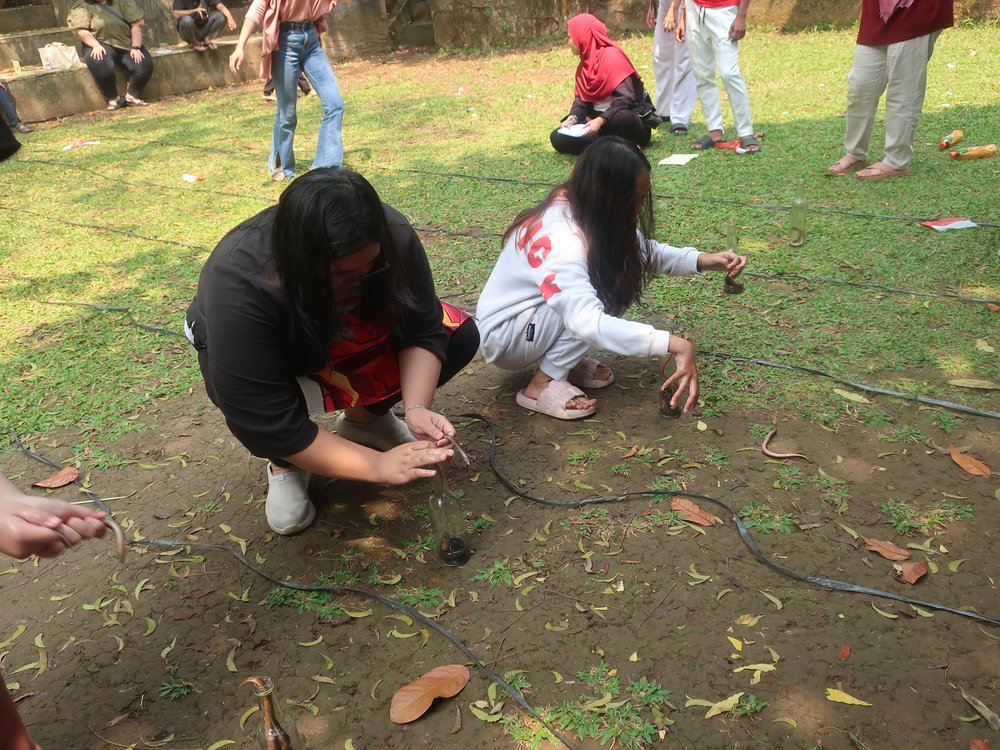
x,y
900,70
711,50
675,89
536,336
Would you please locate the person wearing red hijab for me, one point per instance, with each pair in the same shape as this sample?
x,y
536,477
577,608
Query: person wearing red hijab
x,y
608,91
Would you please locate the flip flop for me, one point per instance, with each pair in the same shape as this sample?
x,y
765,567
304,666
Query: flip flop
x,y
679,130
136,102
118,103
840,168
705,143
582,375
749,144
880,171
553,399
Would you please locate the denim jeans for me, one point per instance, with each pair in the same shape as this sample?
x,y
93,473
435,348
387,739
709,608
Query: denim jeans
x,y
300,49
7,108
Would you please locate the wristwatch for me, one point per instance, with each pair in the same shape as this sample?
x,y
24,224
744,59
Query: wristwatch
x,y
139,47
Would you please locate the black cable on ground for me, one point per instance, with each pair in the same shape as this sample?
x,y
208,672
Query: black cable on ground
x,y
748,540
860,386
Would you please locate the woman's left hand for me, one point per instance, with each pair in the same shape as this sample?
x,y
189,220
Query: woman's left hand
x,y
429,425
728,262
594,125
136,55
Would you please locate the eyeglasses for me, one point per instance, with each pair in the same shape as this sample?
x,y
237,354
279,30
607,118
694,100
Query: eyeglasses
x,y
383,267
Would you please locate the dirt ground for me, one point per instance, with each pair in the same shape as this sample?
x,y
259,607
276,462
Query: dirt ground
x,y
652,600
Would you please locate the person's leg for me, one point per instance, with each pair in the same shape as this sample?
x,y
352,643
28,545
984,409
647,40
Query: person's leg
x,y
285,66
139,73
103,71
727,60
570,144
213,27
187,30
626,123
7,107
13,735
865,84
703,64
904,96
330,145
685,92
663,70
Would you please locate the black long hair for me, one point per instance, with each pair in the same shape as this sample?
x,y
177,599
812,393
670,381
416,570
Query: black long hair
x,y
603,203
323,215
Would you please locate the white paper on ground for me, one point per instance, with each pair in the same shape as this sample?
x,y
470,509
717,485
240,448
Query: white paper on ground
x,y
677,160
576,130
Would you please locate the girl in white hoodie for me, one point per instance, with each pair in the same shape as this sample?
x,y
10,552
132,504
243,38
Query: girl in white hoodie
x,y
569,267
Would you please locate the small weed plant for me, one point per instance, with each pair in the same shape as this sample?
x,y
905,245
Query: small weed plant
x,y
500,572
749,705
582,458
789,479
907,517
758,516
420,596
174,688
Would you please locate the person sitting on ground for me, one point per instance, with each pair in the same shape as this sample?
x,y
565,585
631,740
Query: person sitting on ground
x,y
10,112
569,267
608,91
199,22
895,43
713,30
36,526
326,302
111,32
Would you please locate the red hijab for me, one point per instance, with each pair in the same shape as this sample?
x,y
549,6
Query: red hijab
x,y
603,64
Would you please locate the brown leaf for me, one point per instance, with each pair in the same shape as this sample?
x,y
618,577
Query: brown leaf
x,y
411,701
979,745
845,653
61,478
994,308
689,511
910,572
888,550
972,465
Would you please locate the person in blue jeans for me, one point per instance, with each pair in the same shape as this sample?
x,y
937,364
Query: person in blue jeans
x,y
291,45
9,112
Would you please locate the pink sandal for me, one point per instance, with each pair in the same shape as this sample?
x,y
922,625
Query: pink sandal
x,y
553,399
880,171
583,375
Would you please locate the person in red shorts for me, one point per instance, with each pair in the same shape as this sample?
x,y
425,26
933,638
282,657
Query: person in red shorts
x,y
895,43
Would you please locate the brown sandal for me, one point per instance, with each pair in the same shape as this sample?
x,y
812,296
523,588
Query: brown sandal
x,y
844,166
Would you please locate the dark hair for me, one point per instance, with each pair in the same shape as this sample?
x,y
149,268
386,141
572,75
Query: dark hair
x,y
602,201
323,215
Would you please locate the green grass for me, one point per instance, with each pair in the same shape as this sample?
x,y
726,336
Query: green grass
x,y
94,377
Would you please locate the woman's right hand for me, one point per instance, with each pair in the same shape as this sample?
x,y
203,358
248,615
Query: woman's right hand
x,y
571,120
98,52
406,462
685,375
236,59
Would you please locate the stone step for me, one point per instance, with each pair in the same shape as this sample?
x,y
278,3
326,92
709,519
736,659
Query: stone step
x,y
27,18
46,94
415,34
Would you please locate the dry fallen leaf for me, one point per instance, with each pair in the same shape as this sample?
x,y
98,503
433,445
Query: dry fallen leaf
x,y
61,478
689,511
910,572
971,465
986,385
845,653
411,701
839,696
979,745
888,550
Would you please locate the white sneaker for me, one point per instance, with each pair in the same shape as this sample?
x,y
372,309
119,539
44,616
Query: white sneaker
x,y
384,434
287,509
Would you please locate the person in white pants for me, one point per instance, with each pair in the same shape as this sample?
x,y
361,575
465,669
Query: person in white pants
x,y
713,30
895,42
675,87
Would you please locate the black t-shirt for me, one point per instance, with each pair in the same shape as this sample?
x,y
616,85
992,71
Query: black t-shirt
x,y
241,323
192,4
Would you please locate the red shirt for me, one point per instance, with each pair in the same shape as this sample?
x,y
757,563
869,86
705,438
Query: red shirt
x,y
715,3
921,18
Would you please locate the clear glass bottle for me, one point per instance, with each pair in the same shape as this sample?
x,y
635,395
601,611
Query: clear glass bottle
x,y
447,521
275,730
732,238
797,218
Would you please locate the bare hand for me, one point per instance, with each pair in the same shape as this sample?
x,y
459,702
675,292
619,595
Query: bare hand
x,y
429,425
651,16
406,462
594,125
136,55
685,375
669,22
571,120
680,33
98,52
236,59
231,24
738,30
40,526
729,262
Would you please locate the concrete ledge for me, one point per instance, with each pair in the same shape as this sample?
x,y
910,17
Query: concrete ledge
x,y
45,95
23,46
27,18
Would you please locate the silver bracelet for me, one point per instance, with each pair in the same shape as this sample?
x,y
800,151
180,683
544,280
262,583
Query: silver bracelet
x,y
411,408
